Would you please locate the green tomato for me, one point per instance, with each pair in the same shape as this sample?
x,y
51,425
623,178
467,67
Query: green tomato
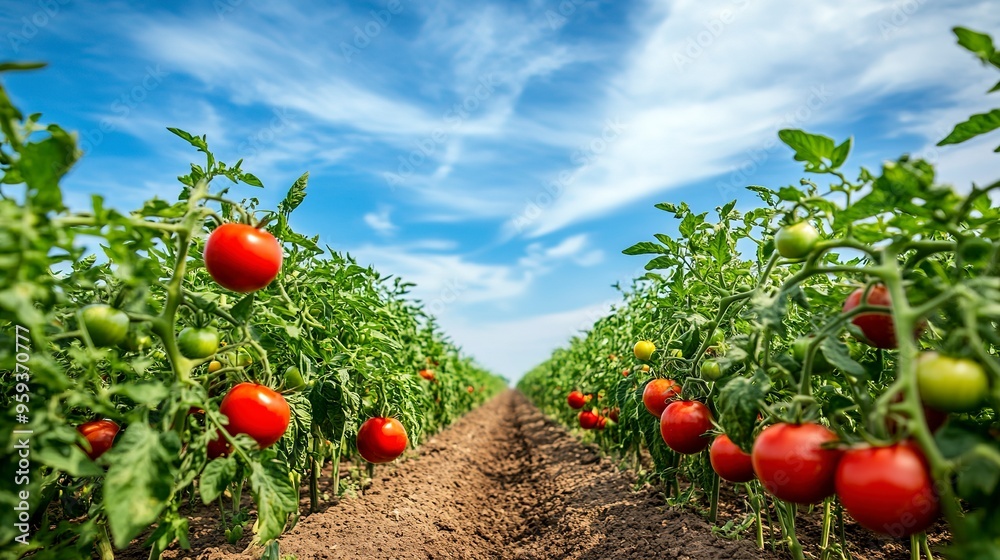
x,y
711,370
644,349
243,358
293,378
796,241
106,325
951,384
718,337
198,343
135,342
820,363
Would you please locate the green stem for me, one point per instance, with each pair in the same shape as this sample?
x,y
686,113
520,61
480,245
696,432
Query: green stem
x,y
314,474
104,549
824,543
713,512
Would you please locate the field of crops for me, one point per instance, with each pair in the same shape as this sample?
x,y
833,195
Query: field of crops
x,y
816,377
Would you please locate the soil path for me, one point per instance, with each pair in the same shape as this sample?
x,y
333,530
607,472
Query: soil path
x,y
502,483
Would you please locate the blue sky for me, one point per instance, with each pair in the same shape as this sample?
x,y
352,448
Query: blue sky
x,y
499,154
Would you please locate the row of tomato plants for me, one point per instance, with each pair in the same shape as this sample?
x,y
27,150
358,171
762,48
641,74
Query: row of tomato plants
x,y
836,347
186,350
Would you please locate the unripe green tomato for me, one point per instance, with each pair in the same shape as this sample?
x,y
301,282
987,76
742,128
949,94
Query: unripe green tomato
x,y
711,370
293,378
820,363
644,349
135,342
718,337
796,241
106,325
951,384
198,343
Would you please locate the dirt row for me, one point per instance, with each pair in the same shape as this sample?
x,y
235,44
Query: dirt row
x,y
504,482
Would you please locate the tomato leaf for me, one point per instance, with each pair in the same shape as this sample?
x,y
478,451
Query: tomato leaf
x,y
645,248
142,393
976,125
977,43
810,148
139,481
243,309
296,194
218,474
738,405
274,495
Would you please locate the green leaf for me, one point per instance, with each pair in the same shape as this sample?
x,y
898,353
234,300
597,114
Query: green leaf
x,y
738,408
43,164
19,66
217,475
840,153
142,393
296,194
243,308
839,356
275,497
810,148
251,179
975,126
140,480
645,248
979,44
663,261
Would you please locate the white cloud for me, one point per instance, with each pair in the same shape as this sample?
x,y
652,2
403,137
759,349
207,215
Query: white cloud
x,y
380,221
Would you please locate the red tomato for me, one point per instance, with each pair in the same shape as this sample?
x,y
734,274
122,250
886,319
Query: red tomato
x,y
625,373
242,258
381,440
684,426
602,422
427,374
889,489
257,411
100,434
657,393
791,463
218,447
588,420
729,461
576,400
877,326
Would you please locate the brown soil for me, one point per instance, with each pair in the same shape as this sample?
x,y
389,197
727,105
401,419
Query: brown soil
x,y
504,482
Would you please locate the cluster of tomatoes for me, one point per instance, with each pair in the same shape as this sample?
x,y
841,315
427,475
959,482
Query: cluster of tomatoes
x,y
591,419
244,259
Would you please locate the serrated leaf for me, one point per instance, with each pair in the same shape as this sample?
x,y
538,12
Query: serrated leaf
x,y
810,148
243,309
140,480
217,475
274,496
645,248
296,194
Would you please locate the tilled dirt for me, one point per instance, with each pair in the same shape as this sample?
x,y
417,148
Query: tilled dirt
x,y
505,482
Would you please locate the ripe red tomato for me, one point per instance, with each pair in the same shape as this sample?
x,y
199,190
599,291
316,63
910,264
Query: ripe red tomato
x,y
427,374
469,389
257,411
889,489
602,422
218,447
100,434
791,463
684,426
588,420
576,400
242,258
656,394
381,440
877,326
625,373
729,461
